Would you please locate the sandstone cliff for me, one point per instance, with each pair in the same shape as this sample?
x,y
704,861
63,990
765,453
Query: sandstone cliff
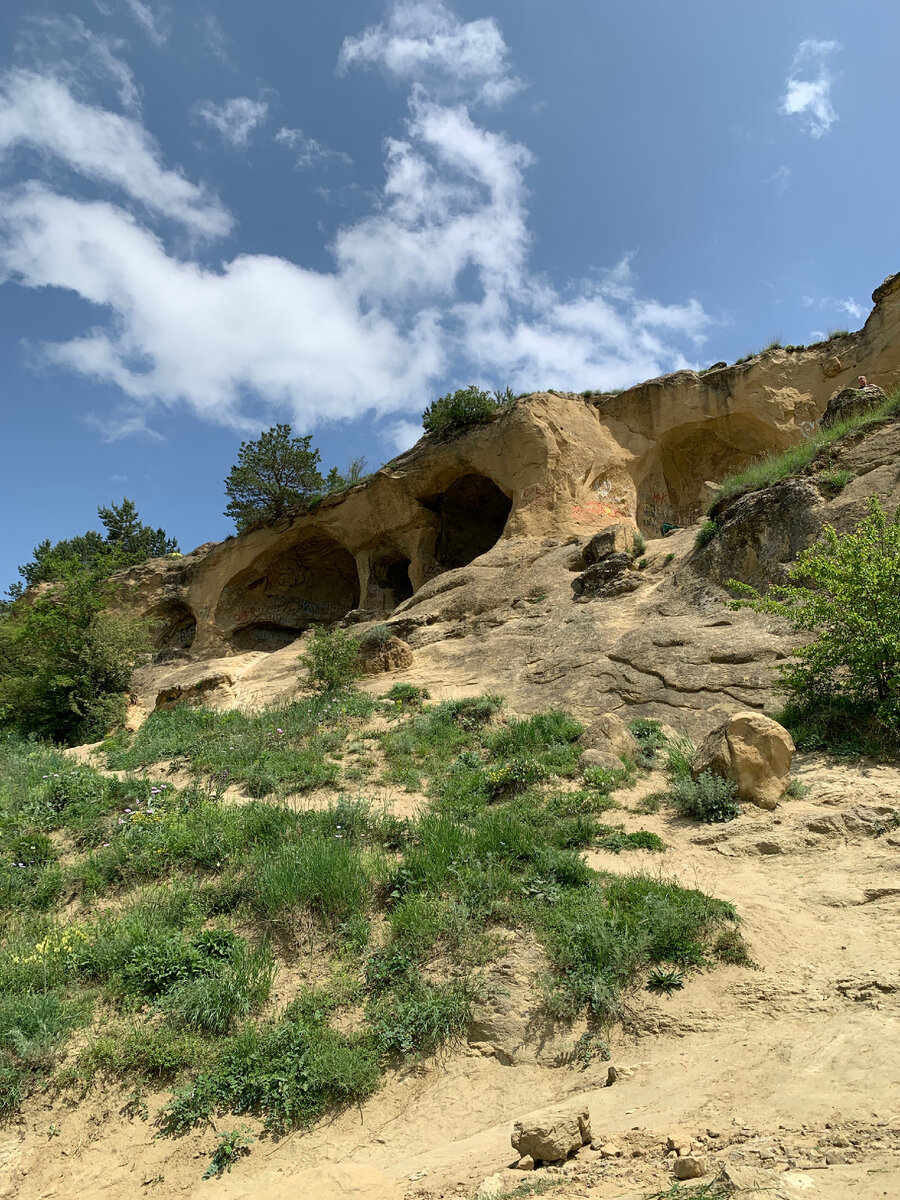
x,y
468,545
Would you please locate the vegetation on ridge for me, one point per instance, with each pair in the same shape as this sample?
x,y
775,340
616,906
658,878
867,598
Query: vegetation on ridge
x,y
774,467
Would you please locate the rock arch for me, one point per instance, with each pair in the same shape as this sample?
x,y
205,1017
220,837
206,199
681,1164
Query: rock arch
x,y
303,582
672,488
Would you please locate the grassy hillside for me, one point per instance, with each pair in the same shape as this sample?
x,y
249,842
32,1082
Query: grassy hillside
x,y
156,919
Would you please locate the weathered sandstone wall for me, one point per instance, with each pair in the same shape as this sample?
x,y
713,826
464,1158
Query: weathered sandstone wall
x,y
558,466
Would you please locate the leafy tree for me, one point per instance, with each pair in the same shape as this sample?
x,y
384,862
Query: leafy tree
x,y
464,407
66,658
274,475
127,542
845,591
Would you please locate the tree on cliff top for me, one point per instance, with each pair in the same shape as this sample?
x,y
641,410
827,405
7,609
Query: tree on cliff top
x,y
273,476
128,541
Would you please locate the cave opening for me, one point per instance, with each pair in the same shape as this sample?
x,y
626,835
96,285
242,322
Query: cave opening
x,y
173,626
473,513
676,489
283,593
389,582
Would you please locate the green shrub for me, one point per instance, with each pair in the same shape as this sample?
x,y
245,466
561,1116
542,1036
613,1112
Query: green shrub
x,y
835,481
845,591
287,1072
407,694
708,798
650,739
707,532
214,1003
463,408
377,636
417,1017
233,1145
66,660
332,660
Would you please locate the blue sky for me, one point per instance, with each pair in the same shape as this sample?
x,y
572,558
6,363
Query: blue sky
x,y
217,216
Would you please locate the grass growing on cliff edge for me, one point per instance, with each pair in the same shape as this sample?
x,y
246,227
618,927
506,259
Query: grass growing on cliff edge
x,y
208,904
796,459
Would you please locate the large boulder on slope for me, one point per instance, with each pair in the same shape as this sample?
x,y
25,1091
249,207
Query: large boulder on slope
x,y
754,752
552,1137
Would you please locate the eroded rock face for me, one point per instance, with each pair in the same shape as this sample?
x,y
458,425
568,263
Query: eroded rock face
x,y
761,533
753,751
553,1137
452,536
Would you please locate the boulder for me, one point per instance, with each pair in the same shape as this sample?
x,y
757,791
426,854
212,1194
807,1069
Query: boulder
x,y
752,750
599,758
614,539
689,1166
848,402
390,655
554,1136
610,734
609,577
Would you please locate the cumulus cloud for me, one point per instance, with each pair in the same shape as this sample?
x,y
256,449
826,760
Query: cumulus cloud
x,y
808,94
235,119
307,151
422,42
41,112
432,287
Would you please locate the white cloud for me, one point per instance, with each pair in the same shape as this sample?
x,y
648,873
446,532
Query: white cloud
x,y
423,42
852,309
780,178
67,50
234,119
154,22
40,112
402,434
308,152
808,94
436,275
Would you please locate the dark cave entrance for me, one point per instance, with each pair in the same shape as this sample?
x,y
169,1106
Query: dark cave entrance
x,y
389,582
286,591
174,626
473,514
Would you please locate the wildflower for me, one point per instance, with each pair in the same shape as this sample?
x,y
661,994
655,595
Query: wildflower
x,y
279,731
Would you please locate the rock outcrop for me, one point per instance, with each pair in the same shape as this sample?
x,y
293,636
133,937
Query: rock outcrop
x,y
849,402
562,466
